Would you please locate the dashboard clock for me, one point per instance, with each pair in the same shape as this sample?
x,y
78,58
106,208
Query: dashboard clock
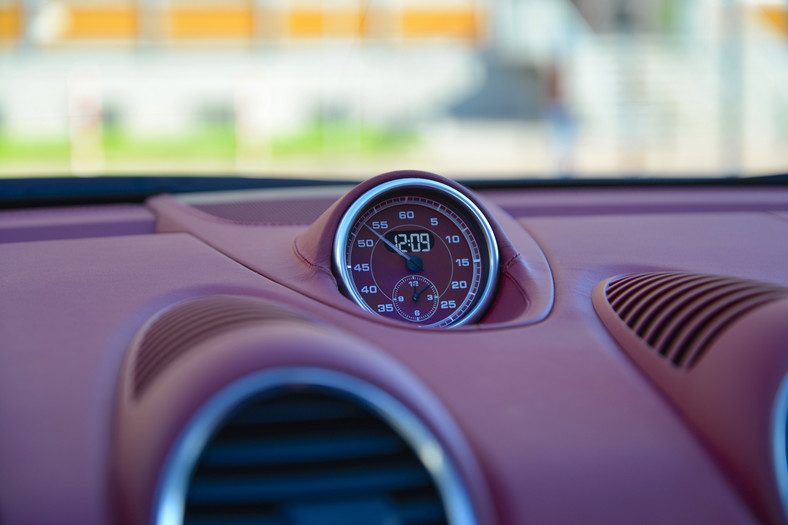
x,y
419,251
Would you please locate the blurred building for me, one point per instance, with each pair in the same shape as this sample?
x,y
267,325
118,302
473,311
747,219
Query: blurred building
x,y
46,23
639,86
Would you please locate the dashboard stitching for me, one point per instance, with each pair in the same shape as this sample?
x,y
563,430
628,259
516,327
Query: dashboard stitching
x,y
514,281
510,262
313,265
779,215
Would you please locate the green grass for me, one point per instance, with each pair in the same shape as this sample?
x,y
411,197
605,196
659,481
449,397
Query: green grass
x,y
342,138
22,150
319,139
208,142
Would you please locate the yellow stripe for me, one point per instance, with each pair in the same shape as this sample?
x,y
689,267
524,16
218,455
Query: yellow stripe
x,y
101,22
10,22
776,17
238,21
216,22
459,23
306,23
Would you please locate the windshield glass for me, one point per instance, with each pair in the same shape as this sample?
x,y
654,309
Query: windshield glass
x,y
347,88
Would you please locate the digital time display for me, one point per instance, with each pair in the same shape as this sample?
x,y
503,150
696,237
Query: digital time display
x,y
415,241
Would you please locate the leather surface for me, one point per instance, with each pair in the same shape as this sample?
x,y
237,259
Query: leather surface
x,y
561,424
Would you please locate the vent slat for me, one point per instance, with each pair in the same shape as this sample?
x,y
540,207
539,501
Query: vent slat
x,y
614,287
692,306
706,310
236,519
229,489
657,306
197,328
659,289
420,512
190,321
298,411
679,315
185,325
623,283
725,316
674,309
300,449
632,289
340,461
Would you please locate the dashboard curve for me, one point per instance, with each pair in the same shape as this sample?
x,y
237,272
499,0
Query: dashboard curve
x,y
121,323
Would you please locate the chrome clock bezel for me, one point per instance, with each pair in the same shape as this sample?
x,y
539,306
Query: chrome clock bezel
x,y
460,200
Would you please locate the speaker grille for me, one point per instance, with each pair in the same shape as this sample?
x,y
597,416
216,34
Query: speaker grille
x,y
185,325
306,456
681,314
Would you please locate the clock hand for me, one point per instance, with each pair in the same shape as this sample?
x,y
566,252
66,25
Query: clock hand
x,y
415,264
416,295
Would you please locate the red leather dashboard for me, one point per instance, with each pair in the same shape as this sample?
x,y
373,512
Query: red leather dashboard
x,y
545,416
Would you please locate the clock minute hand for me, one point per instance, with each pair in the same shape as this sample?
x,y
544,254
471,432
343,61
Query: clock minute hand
x,y
415,264
390,244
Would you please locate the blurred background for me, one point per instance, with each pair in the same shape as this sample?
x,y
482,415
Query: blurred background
x,y
350,88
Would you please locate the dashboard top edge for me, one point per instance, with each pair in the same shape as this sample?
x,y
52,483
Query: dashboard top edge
x,y
65,190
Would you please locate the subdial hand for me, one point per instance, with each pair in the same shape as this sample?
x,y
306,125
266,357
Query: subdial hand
x,y
417,294
415,264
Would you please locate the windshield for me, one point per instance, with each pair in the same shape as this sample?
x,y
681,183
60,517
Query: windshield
x,y
494,89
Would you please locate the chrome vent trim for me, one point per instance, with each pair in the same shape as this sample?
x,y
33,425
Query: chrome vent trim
x,y
780,442
173,489
680,314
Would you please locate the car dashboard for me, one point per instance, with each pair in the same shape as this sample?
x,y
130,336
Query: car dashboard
x,y
197,358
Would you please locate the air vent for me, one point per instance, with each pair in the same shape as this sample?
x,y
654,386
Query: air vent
x,y
186,324
306,456
679,314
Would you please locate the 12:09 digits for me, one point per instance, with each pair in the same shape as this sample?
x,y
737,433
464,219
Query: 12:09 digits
x,y
410,241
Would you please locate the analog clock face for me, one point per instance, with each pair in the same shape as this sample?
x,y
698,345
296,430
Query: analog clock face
x,y
418,251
